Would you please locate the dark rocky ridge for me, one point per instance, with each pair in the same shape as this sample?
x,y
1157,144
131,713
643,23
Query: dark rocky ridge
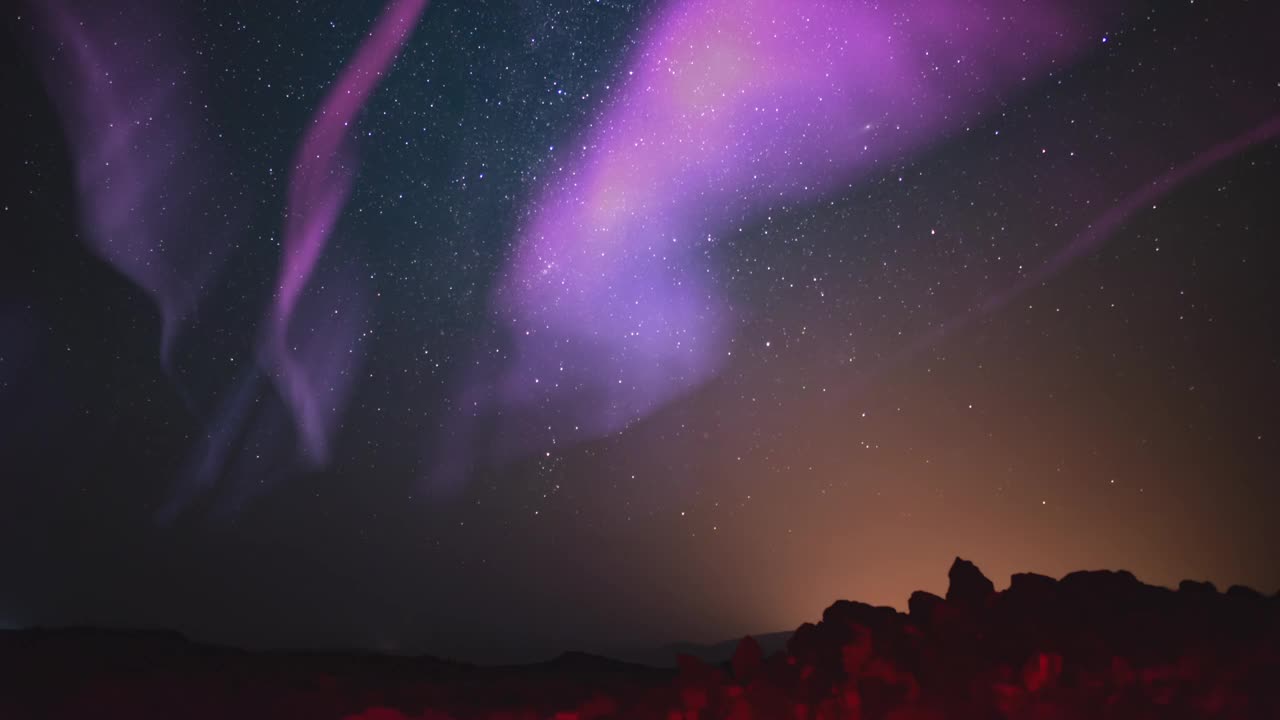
x,y
1096,644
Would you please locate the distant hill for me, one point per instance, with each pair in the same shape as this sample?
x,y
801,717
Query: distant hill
x,y
1093,644
712,654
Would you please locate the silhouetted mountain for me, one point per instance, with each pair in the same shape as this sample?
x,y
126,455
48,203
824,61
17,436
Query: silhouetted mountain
x,y
580,662
1095,644
666,656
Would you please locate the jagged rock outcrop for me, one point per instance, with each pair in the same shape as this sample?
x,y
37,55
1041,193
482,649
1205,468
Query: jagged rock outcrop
x,y
969,587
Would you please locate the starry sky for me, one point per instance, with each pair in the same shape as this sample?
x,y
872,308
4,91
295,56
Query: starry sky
x,y
493,327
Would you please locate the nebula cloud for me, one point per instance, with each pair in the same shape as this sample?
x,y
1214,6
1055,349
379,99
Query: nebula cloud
x,y
729,108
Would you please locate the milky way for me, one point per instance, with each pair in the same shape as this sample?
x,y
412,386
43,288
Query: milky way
x,y
670,318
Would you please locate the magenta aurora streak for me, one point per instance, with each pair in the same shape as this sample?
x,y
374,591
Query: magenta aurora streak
x,y
307,352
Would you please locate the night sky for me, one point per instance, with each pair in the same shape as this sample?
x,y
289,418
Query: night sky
x,y
490,327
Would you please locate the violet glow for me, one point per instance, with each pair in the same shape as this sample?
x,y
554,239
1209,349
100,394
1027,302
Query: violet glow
x,y
729,108
146,168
